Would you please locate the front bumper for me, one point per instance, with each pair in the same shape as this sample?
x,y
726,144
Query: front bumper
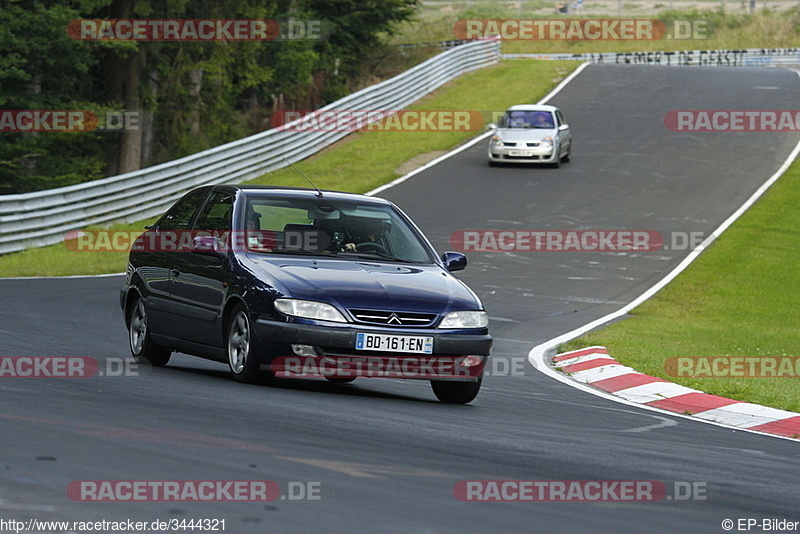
x,y
502,154
336,345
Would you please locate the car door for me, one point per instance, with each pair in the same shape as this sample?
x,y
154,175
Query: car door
x,y
155,260
199,277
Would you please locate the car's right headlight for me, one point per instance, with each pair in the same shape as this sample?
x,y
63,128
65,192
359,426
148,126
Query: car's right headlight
x,y
497,140
309,309
465,319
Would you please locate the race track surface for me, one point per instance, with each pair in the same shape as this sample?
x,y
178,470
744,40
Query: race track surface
x,y
386,455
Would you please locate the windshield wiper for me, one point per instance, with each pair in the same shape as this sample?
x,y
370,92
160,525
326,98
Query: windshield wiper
x,y
380,255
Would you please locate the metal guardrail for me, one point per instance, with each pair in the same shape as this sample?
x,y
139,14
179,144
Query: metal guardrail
x,y
748,57
44,217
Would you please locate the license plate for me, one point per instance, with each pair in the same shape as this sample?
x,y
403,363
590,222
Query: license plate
x,y
390,343
521,153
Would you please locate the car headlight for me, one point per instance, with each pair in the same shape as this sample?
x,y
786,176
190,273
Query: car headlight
x,y
547,142
465,319
497,140
309,309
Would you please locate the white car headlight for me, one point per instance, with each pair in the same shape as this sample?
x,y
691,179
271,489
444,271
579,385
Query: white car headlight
x,y
465,319
497,140
309,309
547,141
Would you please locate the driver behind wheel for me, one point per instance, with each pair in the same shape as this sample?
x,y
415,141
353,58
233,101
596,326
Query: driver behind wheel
x,y
363,234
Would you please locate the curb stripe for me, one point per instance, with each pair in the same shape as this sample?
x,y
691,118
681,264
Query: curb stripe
x,y
591,364
626,381
579,353
595,367
789,428
692,403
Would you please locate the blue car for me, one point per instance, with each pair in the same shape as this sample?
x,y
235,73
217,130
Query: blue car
x,y
303,283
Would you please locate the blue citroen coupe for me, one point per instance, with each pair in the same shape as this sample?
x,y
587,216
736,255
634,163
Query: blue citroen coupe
x,y
297,282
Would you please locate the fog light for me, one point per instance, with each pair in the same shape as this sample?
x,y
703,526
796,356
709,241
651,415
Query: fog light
x,y
304,350
470,361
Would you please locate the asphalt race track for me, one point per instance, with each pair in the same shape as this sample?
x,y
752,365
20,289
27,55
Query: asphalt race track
x,y
385,454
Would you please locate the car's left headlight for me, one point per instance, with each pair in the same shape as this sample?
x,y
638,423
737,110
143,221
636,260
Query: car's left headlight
x,y
547,142
465,319
309,309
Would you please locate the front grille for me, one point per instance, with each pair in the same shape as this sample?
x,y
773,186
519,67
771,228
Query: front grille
x,y
510,144
522,157
532,144
393,318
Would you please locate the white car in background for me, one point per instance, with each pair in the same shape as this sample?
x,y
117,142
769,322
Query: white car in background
x,y
530,134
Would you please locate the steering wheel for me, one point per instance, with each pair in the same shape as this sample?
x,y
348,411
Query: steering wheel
x,y
371,246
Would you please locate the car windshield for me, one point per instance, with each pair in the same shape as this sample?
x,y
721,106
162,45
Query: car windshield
x,y
527,119
331,228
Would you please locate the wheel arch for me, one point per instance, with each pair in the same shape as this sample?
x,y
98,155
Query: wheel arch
x,y
132,293
232,302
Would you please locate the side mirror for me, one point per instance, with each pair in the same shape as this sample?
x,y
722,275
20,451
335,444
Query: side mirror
x,y
491,126
563,127
454,261
206,244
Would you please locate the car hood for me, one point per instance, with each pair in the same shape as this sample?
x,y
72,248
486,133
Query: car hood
x,y
531,135
369,285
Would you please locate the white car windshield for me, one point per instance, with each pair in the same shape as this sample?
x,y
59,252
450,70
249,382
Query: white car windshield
x,y
528,119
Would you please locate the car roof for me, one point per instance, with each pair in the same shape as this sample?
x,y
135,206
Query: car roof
x,y
298,192
532,107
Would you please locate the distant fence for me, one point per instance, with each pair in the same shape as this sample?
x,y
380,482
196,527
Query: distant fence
x,y
44,217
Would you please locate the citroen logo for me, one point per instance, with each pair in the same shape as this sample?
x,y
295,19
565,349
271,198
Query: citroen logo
x,y
393,318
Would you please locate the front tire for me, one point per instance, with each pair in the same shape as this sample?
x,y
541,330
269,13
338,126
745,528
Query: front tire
x,y
568,155
143,350
242,361
557,162
340,379
456,392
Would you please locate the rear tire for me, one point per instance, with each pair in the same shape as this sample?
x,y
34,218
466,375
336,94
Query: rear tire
x,y
143,350
456,392
240,347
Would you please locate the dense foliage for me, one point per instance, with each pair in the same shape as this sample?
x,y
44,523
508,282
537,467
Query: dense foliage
x,y
188,96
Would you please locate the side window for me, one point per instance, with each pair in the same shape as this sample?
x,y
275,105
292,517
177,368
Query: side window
x,y
216,213
560,118
179,217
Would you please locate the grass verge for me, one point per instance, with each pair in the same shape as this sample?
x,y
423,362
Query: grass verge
x,y
722,30
738,299
359,163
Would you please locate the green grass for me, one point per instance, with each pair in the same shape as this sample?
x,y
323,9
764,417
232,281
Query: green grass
x,y
359,163
734,30
739,298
